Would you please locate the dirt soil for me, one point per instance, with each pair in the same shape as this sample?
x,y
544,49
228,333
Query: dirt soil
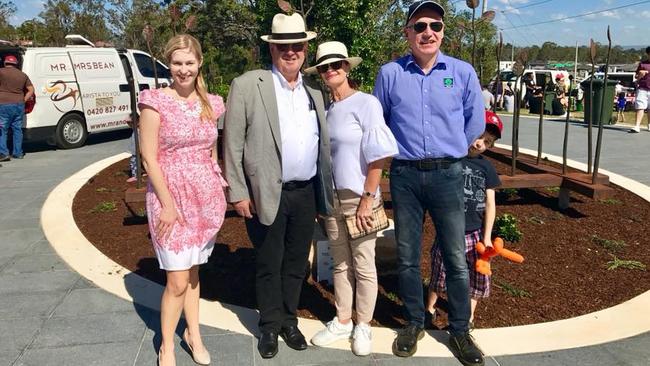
x,y
565,272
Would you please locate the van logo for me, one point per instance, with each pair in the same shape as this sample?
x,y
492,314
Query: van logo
x,y
448,82
60,91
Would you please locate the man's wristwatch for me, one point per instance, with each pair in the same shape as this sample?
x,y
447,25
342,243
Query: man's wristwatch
x,y
368,194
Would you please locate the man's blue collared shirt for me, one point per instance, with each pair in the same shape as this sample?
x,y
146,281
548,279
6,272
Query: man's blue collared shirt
x,y
435,115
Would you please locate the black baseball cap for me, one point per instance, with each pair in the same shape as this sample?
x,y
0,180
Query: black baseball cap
x,y
422,4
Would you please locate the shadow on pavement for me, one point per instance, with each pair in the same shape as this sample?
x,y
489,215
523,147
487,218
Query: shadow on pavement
x,y
93,139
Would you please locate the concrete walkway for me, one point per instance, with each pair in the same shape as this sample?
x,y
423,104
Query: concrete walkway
x,y
49,315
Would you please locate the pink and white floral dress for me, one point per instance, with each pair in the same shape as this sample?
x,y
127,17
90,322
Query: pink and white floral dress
x,y
193,178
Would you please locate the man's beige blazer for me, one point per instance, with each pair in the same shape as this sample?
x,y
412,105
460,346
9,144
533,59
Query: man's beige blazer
x,y
253,145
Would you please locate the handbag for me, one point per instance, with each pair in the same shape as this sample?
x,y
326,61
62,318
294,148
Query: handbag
x,y
379,222
379,219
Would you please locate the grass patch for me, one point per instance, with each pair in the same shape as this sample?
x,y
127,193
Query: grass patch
x,y
106,206
104,190
141,212
553,189
617,263
120,174
611,201
611,245
511,289
535,220
392,297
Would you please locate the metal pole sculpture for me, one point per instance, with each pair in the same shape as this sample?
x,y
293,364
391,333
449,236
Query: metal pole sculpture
x,y
599,140
147,32
518,69
566,127
540,129
136,135
473,4
592,53
498,81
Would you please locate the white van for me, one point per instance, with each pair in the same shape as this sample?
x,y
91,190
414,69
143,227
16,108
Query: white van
x,y
81,89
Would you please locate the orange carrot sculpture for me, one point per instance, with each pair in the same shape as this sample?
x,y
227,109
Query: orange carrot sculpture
x,y
483,262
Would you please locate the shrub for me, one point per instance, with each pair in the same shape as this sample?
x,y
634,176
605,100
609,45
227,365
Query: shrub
x,y
611,245
510,192
506,227
106,206
627,264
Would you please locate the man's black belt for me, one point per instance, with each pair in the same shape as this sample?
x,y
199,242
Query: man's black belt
x,y
296,184
429,164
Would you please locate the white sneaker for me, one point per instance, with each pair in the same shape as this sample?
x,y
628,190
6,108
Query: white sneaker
x,y
362,343
332,332
634,130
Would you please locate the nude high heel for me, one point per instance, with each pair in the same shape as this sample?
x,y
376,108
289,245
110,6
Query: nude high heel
x,y
199,358
160,353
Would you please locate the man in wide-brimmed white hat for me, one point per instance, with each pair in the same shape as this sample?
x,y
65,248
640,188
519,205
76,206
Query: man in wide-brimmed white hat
x,y
433,105
276,152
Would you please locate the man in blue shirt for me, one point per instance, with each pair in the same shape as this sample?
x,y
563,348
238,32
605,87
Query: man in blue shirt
x,y
433,105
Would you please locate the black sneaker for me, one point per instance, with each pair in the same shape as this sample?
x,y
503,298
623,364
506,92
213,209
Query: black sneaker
x,y
465,350
4,158
407,339
18,156
429,320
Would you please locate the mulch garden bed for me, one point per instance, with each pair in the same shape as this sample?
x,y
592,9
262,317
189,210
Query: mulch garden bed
x,y
565,272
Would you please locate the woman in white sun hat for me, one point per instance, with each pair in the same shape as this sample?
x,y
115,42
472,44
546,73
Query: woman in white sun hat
x,y
360,145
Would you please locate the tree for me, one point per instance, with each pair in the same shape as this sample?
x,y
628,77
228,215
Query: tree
x,y
84,17
34,30
135,18
230,49
7,10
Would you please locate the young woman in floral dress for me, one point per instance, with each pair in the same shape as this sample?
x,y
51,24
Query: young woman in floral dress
x,y
185,197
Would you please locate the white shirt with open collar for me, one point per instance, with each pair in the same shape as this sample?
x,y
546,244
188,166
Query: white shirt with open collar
x,y
298,129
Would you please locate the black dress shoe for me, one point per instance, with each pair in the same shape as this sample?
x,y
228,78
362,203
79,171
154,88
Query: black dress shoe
x,y
465,350
293,338
268,344
407,339
4,158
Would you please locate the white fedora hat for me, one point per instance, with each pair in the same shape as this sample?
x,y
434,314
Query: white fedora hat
x,y
330,52
288,29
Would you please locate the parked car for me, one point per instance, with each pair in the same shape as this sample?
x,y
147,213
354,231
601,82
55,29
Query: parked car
x,y
81,89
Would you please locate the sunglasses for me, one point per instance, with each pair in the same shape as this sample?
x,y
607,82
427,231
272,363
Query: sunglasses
x,y
420,27
295,47
334,66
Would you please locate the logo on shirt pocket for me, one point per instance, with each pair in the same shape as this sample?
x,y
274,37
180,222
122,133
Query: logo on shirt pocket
x,y
448,82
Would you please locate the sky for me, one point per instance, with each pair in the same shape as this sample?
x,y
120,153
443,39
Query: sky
x,y
513,16
626,23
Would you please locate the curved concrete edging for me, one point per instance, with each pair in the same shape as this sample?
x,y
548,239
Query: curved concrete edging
x,y
621,321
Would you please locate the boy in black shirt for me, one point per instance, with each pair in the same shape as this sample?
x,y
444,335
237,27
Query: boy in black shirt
x,y
480,210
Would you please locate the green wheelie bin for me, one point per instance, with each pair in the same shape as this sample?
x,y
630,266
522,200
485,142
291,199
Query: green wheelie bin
x,y
608,110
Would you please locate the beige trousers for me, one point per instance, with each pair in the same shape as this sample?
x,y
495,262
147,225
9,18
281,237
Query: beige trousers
x,y
354,263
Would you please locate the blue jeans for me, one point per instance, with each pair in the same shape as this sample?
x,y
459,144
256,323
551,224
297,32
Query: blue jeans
x,y
12,115
440,192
